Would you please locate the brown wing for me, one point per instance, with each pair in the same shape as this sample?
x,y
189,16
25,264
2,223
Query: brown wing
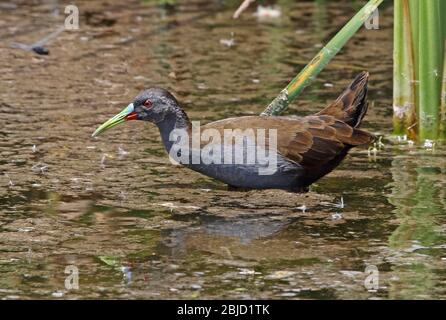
x,y
322,139
311,141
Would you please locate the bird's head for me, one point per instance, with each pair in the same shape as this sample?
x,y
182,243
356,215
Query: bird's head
x,y
152,105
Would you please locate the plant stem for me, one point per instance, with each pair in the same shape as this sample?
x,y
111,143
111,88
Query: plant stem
x,y
303,79
404,98
430,68
443,100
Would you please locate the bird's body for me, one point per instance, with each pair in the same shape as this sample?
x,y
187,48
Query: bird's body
x,y
299,150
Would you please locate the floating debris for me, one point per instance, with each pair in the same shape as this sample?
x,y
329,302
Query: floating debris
x,y
336,216
429,144
372,153
58,294
195,287
248,272
402,138
340,204
104,157
303,208
174,206
40,167
122,152
228,42
279,275
34,148
11,184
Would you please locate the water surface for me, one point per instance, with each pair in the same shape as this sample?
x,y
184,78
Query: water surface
x,y
136,226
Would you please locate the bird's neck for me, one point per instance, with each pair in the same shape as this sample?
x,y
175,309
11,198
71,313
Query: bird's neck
x,y
175,120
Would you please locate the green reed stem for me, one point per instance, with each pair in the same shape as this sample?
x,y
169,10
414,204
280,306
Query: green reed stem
x,y
430,68
404,91
305,77
443,99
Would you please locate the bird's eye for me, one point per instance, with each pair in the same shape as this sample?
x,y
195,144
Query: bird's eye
x,y
147,103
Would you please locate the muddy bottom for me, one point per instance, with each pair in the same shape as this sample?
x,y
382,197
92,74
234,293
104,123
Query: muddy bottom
x,y
115,210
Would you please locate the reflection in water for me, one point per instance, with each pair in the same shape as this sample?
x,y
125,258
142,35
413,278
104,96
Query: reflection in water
x,y
418,194
243,229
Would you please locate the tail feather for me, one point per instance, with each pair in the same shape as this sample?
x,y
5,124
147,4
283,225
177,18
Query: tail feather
x,y
351,106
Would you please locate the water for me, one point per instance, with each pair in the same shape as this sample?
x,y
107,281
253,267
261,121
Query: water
x,y
136,226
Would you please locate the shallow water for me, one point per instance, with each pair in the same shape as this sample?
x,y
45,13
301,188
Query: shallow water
x,y
136,226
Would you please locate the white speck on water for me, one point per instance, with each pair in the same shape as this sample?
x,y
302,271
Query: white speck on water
x,y
267,12
351,273
34,148
303,208
91,147
228,42
11,184
202,86
58,294
340,204
429,144
255,81
336,216
415,247
122,152
244,271
173,206
195,287
40,167
278,275
104,157
328,85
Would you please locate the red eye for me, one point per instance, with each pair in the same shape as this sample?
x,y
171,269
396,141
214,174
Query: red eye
x,y
147,103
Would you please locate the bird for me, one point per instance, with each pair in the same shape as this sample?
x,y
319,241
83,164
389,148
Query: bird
x,y
38,47
301,149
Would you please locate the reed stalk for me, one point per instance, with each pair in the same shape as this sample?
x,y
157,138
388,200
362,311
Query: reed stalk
x,y
443,99
305,77
430,68
404,90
